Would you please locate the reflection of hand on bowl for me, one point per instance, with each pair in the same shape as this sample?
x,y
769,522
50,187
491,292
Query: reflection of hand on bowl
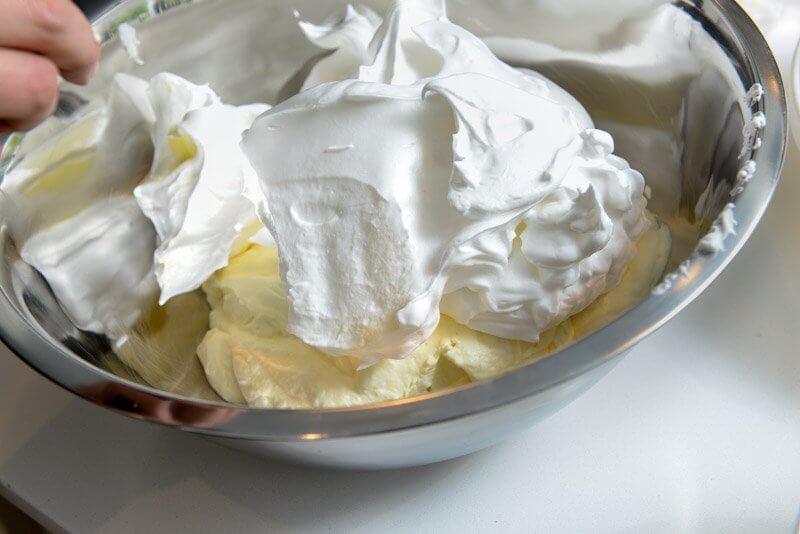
x,y
708,116
147,406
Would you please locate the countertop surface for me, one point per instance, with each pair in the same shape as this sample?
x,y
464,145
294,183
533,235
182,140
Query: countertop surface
x,y
697,430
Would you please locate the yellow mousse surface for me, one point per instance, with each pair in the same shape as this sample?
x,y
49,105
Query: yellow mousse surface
x,y
250,359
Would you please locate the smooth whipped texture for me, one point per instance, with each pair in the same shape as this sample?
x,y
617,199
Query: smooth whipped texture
x,y
491,198
75,219
420,216
140,196
194,193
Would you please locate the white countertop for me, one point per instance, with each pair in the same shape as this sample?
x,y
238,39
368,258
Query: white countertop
x,y
697,430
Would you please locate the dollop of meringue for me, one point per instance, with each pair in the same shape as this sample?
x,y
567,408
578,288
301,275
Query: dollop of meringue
x,y
99,265
75,220
145,191
490,196
194,194
348,37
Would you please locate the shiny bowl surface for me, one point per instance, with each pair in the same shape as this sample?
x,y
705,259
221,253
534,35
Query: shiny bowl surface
x,y
795,89
246,59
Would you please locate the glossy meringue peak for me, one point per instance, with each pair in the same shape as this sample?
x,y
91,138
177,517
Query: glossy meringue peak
x,y
441,180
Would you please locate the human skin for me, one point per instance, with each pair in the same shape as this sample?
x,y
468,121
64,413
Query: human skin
x,y
40,41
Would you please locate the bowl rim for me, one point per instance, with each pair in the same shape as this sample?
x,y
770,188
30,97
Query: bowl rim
x,y
69,371
795,89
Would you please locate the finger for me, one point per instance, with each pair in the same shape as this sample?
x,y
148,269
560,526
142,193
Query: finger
x,y
28,88
54,28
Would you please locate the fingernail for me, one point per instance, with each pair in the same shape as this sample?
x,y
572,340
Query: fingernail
x,y
80,77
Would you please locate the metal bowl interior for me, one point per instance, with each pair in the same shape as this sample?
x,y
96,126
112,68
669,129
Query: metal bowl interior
x,y
258,47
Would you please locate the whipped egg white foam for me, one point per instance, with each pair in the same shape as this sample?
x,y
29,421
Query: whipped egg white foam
x,y
194,192
440,180
140,196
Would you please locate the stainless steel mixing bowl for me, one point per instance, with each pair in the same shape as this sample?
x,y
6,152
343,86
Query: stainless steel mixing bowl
x,y
247,49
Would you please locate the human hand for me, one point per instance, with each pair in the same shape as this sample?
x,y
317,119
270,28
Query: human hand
x,y
40,40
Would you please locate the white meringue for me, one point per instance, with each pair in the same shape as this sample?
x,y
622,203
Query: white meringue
x,y
375,225
99,265
175,147
398,55
348,37
194,193
371,49
104,152
75,220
